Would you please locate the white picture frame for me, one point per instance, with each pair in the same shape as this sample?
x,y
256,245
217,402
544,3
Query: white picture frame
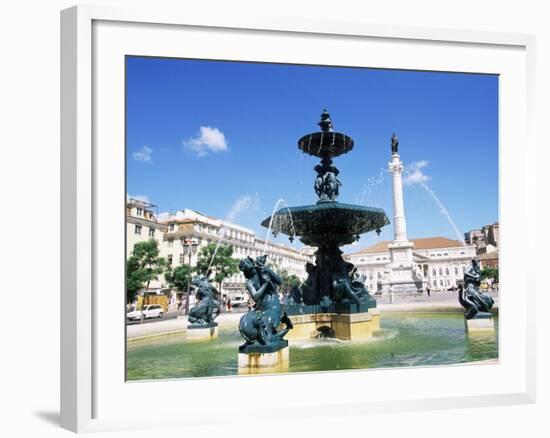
x,y
92,41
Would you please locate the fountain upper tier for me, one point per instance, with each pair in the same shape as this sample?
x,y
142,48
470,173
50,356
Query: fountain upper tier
x,y
327,223
326,143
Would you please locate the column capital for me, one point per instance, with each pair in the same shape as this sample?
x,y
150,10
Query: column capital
x,y
395,165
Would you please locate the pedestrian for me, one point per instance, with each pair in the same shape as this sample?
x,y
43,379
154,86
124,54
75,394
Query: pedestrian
x,y
428,290
391,294
229,305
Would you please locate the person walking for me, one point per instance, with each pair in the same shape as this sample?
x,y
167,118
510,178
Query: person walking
x,y
428,290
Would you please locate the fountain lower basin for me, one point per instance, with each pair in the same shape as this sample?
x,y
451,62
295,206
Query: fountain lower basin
x,y
405,340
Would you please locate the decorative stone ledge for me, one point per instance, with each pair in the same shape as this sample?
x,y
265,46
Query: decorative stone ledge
x,y
258,359
482,323
346,327
202,333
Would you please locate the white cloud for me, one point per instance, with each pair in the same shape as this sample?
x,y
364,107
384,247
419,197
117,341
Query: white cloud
x,y
414,173
143,198
144,154
163,216
207,140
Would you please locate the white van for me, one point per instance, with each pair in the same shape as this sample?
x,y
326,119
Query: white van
x,y
150,311
238,299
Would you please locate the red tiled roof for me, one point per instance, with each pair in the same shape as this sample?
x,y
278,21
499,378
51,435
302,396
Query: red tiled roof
x,y
423,243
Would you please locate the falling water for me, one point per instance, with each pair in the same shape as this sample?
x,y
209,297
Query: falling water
x,y
370,186
444,211
243,203
275,208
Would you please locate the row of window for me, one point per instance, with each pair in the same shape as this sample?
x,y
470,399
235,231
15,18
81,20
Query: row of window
x,y
431,255
170,259
441,283
138,229
434,272
440,271
445,254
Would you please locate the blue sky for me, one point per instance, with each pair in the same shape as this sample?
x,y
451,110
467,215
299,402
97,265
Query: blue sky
x,y
206,135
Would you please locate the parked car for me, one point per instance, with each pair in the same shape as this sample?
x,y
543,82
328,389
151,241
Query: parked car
x,y
238,300
150,311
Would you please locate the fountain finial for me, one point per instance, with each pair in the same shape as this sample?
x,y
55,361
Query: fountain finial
x,y
325,123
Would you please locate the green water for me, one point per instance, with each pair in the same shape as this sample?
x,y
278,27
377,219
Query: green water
x,y
404,340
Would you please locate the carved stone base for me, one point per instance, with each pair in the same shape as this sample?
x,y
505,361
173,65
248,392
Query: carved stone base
x,y
196,332
346,327
482,322
255,361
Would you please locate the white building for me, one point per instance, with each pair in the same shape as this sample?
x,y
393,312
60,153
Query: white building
x,y
141,224
183,234
437,261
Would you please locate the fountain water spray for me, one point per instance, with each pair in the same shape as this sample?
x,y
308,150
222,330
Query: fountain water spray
x,y
369,186
273,216
445,212
415,175
243,203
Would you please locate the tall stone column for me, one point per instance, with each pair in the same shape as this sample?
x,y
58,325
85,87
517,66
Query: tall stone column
x,y
399,222
401,270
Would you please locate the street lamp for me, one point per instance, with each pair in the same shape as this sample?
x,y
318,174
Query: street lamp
x,y
191,244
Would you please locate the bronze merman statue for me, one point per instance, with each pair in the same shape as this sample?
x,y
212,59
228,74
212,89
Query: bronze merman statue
x,y
470,297
327,185
259,326
202,314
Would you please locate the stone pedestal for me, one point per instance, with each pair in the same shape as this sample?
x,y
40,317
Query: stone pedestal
x,y
482,323
197,332
343,326
356,326
262,359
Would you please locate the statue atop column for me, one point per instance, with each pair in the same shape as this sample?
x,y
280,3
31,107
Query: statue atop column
x,y
394,144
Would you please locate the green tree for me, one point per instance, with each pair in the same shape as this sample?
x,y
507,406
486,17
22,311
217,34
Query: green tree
x,y
489,272
147,265
223,265
179,277
289,280
135,279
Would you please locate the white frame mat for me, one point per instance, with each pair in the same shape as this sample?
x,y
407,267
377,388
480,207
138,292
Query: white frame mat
x,y
94,41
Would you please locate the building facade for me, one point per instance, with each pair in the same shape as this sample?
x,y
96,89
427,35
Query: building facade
x,y
141,226
487,235
182,235
486,240
438,262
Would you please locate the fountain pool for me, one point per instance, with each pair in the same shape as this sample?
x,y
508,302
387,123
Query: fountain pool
x,y
404,340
